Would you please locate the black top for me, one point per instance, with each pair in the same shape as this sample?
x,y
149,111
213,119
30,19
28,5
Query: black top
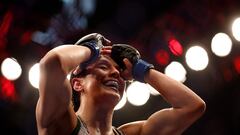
x,y
81,129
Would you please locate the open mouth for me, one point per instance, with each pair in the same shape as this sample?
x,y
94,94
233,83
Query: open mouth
x,y
113,84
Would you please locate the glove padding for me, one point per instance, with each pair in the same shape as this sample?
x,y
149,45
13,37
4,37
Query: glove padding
x,y
121,51
98,38
94,42
140,67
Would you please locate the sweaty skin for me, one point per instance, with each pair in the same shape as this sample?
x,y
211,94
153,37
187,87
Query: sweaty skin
x,y
101,89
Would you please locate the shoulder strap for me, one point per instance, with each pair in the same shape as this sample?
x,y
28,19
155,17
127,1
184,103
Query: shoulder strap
x,y
117,132
77,128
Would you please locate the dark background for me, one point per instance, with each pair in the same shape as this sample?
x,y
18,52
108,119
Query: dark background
x,y
147,25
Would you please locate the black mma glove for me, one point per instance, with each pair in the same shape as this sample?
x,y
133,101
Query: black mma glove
x,y
94,42
140,67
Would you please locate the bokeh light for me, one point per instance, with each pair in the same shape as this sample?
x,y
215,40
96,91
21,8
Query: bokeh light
x,y
176,71
236,63
7,90
236,29
162,57
122,102
175,47
196,58
11,69
34,75
138,93
221,44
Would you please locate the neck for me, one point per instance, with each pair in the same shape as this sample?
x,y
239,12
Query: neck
x,y
97,118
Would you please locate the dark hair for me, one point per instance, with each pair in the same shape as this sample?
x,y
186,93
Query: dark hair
x,y
75,94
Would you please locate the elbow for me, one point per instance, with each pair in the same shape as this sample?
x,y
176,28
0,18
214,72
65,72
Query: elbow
x,y
202,107
50,62
49,59
199,108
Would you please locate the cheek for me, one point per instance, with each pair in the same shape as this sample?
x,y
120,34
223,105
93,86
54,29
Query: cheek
x,y
99,74
91,83
122,87
93,80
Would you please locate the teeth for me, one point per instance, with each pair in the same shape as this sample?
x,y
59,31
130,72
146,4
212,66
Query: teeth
x,y
113,84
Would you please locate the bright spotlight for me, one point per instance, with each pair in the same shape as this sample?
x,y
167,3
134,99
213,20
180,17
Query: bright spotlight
x,y
11,69
122,102
138,93
196,58
221,44
236,29
34,75
176,71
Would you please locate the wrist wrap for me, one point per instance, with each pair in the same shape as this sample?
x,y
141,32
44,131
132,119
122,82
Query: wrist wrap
x,y
95,52
140,68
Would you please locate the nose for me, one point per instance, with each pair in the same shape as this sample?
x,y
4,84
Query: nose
x,y
115,72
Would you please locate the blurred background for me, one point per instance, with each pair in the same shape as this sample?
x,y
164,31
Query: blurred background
x,y
194,42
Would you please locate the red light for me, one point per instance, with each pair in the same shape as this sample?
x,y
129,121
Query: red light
x,y
26,38
4,28
175,47
162,57
237,64
8,89
227,74
6,22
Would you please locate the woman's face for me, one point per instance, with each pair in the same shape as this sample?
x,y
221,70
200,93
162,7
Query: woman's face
x,y
103,81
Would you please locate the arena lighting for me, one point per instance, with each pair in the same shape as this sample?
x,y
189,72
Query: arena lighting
x,y
33,75
8,91
11,69
221,44
236,63
162,57
236,29
197,58
175,47
176,71
138,93
122,102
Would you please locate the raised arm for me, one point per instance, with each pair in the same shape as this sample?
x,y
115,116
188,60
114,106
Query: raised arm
x,y
54,88
54,111
186,108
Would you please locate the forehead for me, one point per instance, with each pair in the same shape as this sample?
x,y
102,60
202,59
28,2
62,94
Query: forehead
x,y
107,59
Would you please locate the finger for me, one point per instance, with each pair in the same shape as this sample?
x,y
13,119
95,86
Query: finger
x,y
128,64
127,73
106,47
76,70
105,52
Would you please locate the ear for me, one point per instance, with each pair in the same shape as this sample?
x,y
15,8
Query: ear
x,y
77,84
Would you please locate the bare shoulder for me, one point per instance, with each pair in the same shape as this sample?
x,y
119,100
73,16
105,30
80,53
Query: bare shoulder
x,y
132,128
167,121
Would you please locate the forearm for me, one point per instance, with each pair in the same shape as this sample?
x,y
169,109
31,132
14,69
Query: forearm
x,y
54,88
177,94
66,57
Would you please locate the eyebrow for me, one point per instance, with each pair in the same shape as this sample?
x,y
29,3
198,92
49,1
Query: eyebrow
x,y
107,61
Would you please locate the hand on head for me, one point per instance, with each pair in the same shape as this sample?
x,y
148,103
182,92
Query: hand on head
x,y
126,56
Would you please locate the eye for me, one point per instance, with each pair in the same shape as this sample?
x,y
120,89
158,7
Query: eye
x,y
103,66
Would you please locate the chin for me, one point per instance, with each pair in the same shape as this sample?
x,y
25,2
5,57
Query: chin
x,y
111,98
